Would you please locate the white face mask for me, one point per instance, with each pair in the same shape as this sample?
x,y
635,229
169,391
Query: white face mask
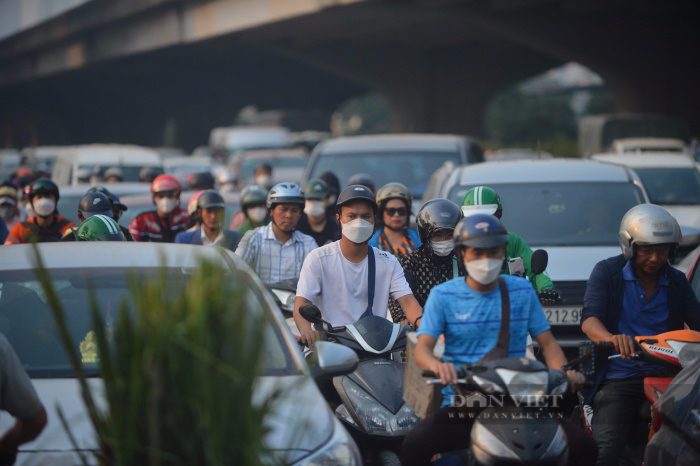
x,y
314,209
165,205
263,180
442,248
44,207
257,214
484,271
358,231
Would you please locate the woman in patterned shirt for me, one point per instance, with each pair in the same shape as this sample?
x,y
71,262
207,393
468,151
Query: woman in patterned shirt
x,y
393,235
434,262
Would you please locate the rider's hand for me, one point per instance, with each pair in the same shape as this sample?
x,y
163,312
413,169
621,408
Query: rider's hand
x,y
576,380
445,371
624,344
548,297
309,337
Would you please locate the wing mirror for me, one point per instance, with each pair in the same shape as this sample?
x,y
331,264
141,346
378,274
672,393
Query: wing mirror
x,y
311,313
332,359
538,262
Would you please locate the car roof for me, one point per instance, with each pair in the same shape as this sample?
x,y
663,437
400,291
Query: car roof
x,y
392,143
648,159
542,171
112,154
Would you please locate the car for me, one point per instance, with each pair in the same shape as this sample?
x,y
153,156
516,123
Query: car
x,y
86,270
671,179
234,139
570,208
407,158
643,145
287,164
70,196
182,166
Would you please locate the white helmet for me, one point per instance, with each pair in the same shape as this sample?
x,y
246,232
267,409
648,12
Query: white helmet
x,y
285,193
647,224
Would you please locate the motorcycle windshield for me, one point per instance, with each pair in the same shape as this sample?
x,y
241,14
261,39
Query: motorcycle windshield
x,y
680,404
376,334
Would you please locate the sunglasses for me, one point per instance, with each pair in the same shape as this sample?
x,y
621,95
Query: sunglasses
x,y
402,211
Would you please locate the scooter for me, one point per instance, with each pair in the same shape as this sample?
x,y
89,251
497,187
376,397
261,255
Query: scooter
x,y
370,400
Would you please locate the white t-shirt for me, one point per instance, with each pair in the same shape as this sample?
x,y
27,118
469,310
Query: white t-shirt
x,y
339,287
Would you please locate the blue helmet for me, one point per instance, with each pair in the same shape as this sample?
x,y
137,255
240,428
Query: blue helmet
x,y
480,231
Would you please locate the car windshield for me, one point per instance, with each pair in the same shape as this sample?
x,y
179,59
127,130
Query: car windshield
x,y
248,165
410,168
563,214
131,172
28,323
67,206
671,185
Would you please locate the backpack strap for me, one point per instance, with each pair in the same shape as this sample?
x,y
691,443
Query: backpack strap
x,y
371,276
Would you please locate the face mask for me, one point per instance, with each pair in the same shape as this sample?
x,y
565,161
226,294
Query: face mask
x,y
257,214
263,180
7,211
165,205
442,248
314,209
44,206
358,231
484,271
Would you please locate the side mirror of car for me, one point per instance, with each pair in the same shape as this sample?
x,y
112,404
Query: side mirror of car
x,y
332,359
311,313
538,262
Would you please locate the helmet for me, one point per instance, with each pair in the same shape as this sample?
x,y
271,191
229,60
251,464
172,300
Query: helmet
x,y
8,190
192,205
481,200
210,199
113,198
480,231
355,192
202,180
95,203
285,193
648,224
316,189
361,179
165,183
437,214
332,181
114,171
42,186
253,195
148,174
394,191
99,228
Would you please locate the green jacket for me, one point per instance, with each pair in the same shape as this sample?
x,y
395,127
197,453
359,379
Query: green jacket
x,y
249,225
517,247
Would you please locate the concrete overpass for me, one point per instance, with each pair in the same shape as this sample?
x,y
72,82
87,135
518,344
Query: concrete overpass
x,y
132,70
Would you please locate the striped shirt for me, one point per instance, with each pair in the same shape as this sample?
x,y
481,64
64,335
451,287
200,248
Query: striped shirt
x,y
272,260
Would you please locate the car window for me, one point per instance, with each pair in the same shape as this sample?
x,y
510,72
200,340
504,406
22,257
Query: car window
x,y
563,214
28,323
131,172
410,168
671,185
248,164
67,206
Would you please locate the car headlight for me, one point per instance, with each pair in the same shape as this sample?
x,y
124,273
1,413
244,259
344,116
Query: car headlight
x,y
532,386
340,449
375,418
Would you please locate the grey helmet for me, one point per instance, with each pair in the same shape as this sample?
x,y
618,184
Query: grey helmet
x,y
647,224
285,193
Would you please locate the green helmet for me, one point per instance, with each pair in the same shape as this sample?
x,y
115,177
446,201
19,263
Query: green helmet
x,y
99,228
253,195
316,189
481,200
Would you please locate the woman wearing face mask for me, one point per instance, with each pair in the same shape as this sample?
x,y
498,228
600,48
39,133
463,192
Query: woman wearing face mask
x,y
163,224
434,262
46,225
315,223
253,213
394,236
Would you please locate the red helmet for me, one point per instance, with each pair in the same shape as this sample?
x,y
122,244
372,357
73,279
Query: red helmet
x,y
165,183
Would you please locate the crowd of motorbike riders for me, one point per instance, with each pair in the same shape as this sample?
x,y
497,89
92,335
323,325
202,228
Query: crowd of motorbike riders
x,y
447,278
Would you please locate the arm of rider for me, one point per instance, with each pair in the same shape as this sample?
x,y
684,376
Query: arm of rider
x,y
596,331
425,359
24,430
555,358
308,335
411,309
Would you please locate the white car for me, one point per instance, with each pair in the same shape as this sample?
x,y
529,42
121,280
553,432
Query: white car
x,y
570,208
671,179
27,322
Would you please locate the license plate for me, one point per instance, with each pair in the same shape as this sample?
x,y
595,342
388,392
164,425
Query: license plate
x,y
563,315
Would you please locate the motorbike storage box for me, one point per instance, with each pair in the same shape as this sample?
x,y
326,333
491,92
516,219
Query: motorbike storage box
x,y
423,399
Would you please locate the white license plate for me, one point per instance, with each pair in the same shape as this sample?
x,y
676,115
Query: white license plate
x,y
563,315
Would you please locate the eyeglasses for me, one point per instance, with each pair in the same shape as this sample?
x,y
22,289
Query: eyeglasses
x,y
391,211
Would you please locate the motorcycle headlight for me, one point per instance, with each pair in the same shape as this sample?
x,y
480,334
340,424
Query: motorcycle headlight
x,y
486,385
375,418
341,449
531,386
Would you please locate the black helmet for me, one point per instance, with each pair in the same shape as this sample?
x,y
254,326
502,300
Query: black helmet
x,y
361,179
114,199
332,181
210,199
356,192
437,214
43,186
253,195
95,203
480,231
200,181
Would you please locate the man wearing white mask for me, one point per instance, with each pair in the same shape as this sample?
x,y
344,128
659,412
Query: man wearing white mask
x,y
163,224
263,175
348,279
316,223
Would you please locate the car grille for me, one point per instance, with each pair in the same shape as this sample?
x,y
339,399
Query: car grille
x,y
571,292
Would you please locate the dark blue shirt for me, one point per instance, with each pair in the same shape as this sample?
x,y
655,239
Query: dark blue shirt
x,y
639,317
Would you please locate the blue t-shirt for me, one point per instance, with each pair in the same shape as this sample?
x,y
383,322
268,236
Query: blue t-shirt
x,y
412,234
471,320
639,317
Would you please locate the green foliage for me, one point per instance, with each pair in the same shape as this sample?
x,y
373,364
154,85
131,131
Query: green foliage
x,y
178,371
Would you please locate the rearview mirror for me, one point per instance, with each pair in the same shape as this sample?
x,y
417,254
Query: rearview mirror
x,y
332,359
538,262
311,313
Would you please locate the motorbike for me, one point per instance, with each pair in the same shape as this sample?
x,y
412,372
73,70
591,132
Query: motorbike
x,y
370,400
